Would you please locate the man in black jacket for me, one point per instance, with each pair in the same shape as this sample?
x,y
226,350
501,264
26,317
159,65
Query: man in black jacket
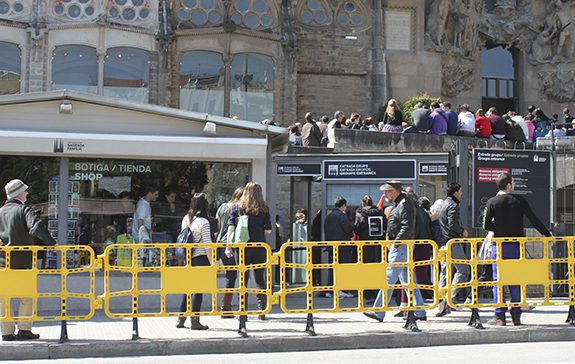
x,y
337,227
449,221
504,216
400,226
18,227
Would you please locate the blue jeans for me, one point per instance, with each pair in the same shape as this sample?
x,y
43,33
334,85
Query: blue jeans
x,y
508,251
197,298
462,271
397,254
231,275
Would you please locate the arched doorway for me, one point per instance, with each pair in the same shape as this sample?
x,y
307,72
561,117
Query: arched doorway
x,y
498,79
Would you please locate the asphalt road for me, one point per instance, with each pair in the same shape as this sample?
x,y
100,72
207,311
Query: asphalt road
x,y
520,353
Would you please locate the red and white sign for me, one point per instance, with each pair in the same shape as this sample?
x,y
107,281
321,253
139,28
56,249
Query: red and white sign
x,y
489,174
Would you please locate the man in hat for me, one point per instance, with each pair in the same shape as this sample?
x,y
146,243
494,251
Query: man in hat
x,y
400,226
18,227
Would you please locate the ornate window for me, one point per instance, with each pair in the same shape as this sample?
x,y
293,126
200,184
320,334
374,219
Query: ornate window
x,y
126,74
349,14
9,68
254,14
252,87
136,12
75,67
73,10
15,9
202,82
314,13
201,13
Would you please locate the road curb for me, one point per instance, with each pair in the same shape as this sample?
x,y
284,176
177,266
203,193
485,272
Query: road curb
x,y
146,347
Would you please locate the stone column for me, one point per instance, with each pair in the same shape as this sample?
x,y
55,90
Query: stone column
x,y
378,65
227,58
37,43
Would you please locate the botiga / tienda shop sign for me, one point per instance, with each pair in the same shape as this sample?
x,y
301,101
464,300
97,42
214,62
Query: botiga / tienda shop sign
x,y
530,170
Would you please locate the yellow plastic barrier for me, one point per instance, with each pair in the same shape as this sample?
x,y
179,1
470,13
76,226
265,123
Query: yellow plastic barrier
x,y
65,292
159,280
358,277
532,272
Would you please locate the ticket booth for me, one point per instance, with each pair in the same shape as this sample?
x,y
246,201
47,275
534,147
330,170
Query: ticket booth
x,y
316,181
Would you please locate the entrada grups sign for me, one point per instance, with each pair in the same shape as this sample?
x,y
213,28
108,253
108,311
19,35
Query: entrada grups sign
x,y
530,170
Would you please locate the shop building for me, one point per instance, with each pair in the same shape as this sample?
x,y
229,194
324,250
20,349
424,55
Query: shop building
x,y
89,159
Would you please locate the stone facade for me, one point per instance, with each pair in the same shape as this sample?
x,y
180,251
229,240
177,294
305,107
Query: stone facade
x,y
352,55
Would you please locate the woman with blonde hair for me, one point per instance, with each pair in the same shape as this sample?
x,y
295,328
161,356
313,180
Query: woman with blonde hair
x,y
197,221
223,217
253,205
393,118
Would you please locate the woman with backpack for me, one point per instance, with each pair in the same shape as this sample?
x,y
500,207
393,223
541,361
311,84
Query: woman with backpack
x,y
197,221
253,205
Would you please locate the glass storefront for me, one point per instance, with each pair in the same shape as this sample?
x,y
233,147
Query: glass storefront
x,y
103,194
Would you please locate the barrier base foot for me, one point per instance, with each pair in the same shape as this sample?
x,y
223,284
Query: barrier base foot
x,y
309,327
475,321
135,332
571,316
63,333
410,323
242,332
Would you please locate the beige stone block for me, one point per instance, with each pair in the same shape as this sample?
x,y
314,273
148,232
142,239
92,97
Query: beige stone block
x,y
399,81
404,68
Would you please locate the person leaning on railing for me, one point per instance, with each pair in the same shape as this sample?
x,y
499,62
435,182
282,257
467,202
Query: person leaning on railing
x,y
19,225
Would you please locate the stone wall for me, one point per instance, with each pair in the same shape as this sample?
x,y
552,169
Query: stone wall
x,y
333,73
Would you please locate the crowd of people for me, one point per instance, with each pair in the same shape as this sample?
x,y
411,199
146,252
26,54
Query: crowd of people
x,y
439,119
412,218
408,217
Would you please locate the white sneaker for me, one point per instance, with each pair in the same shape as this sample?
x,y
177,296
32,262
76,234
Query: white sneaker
x,y
343,294
328,295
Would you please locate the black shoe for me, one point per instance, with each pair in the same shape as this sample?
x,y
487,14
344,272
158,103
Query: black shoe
x,y
27,335
400,314
10,337
373,316
181,321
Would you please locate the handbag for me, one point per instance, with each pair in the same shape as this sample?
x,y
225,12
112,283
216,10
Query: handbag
x,y
185,237
241,233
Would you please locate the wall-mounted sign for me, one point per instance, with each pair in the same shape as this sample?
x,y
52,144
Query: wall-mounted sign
x,y
530,170
369,169
433,169
70,146
297,169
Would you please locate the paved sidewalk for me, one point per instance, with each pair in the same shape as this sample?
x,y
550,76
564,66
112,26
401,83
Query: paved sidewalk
x,y
102,336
